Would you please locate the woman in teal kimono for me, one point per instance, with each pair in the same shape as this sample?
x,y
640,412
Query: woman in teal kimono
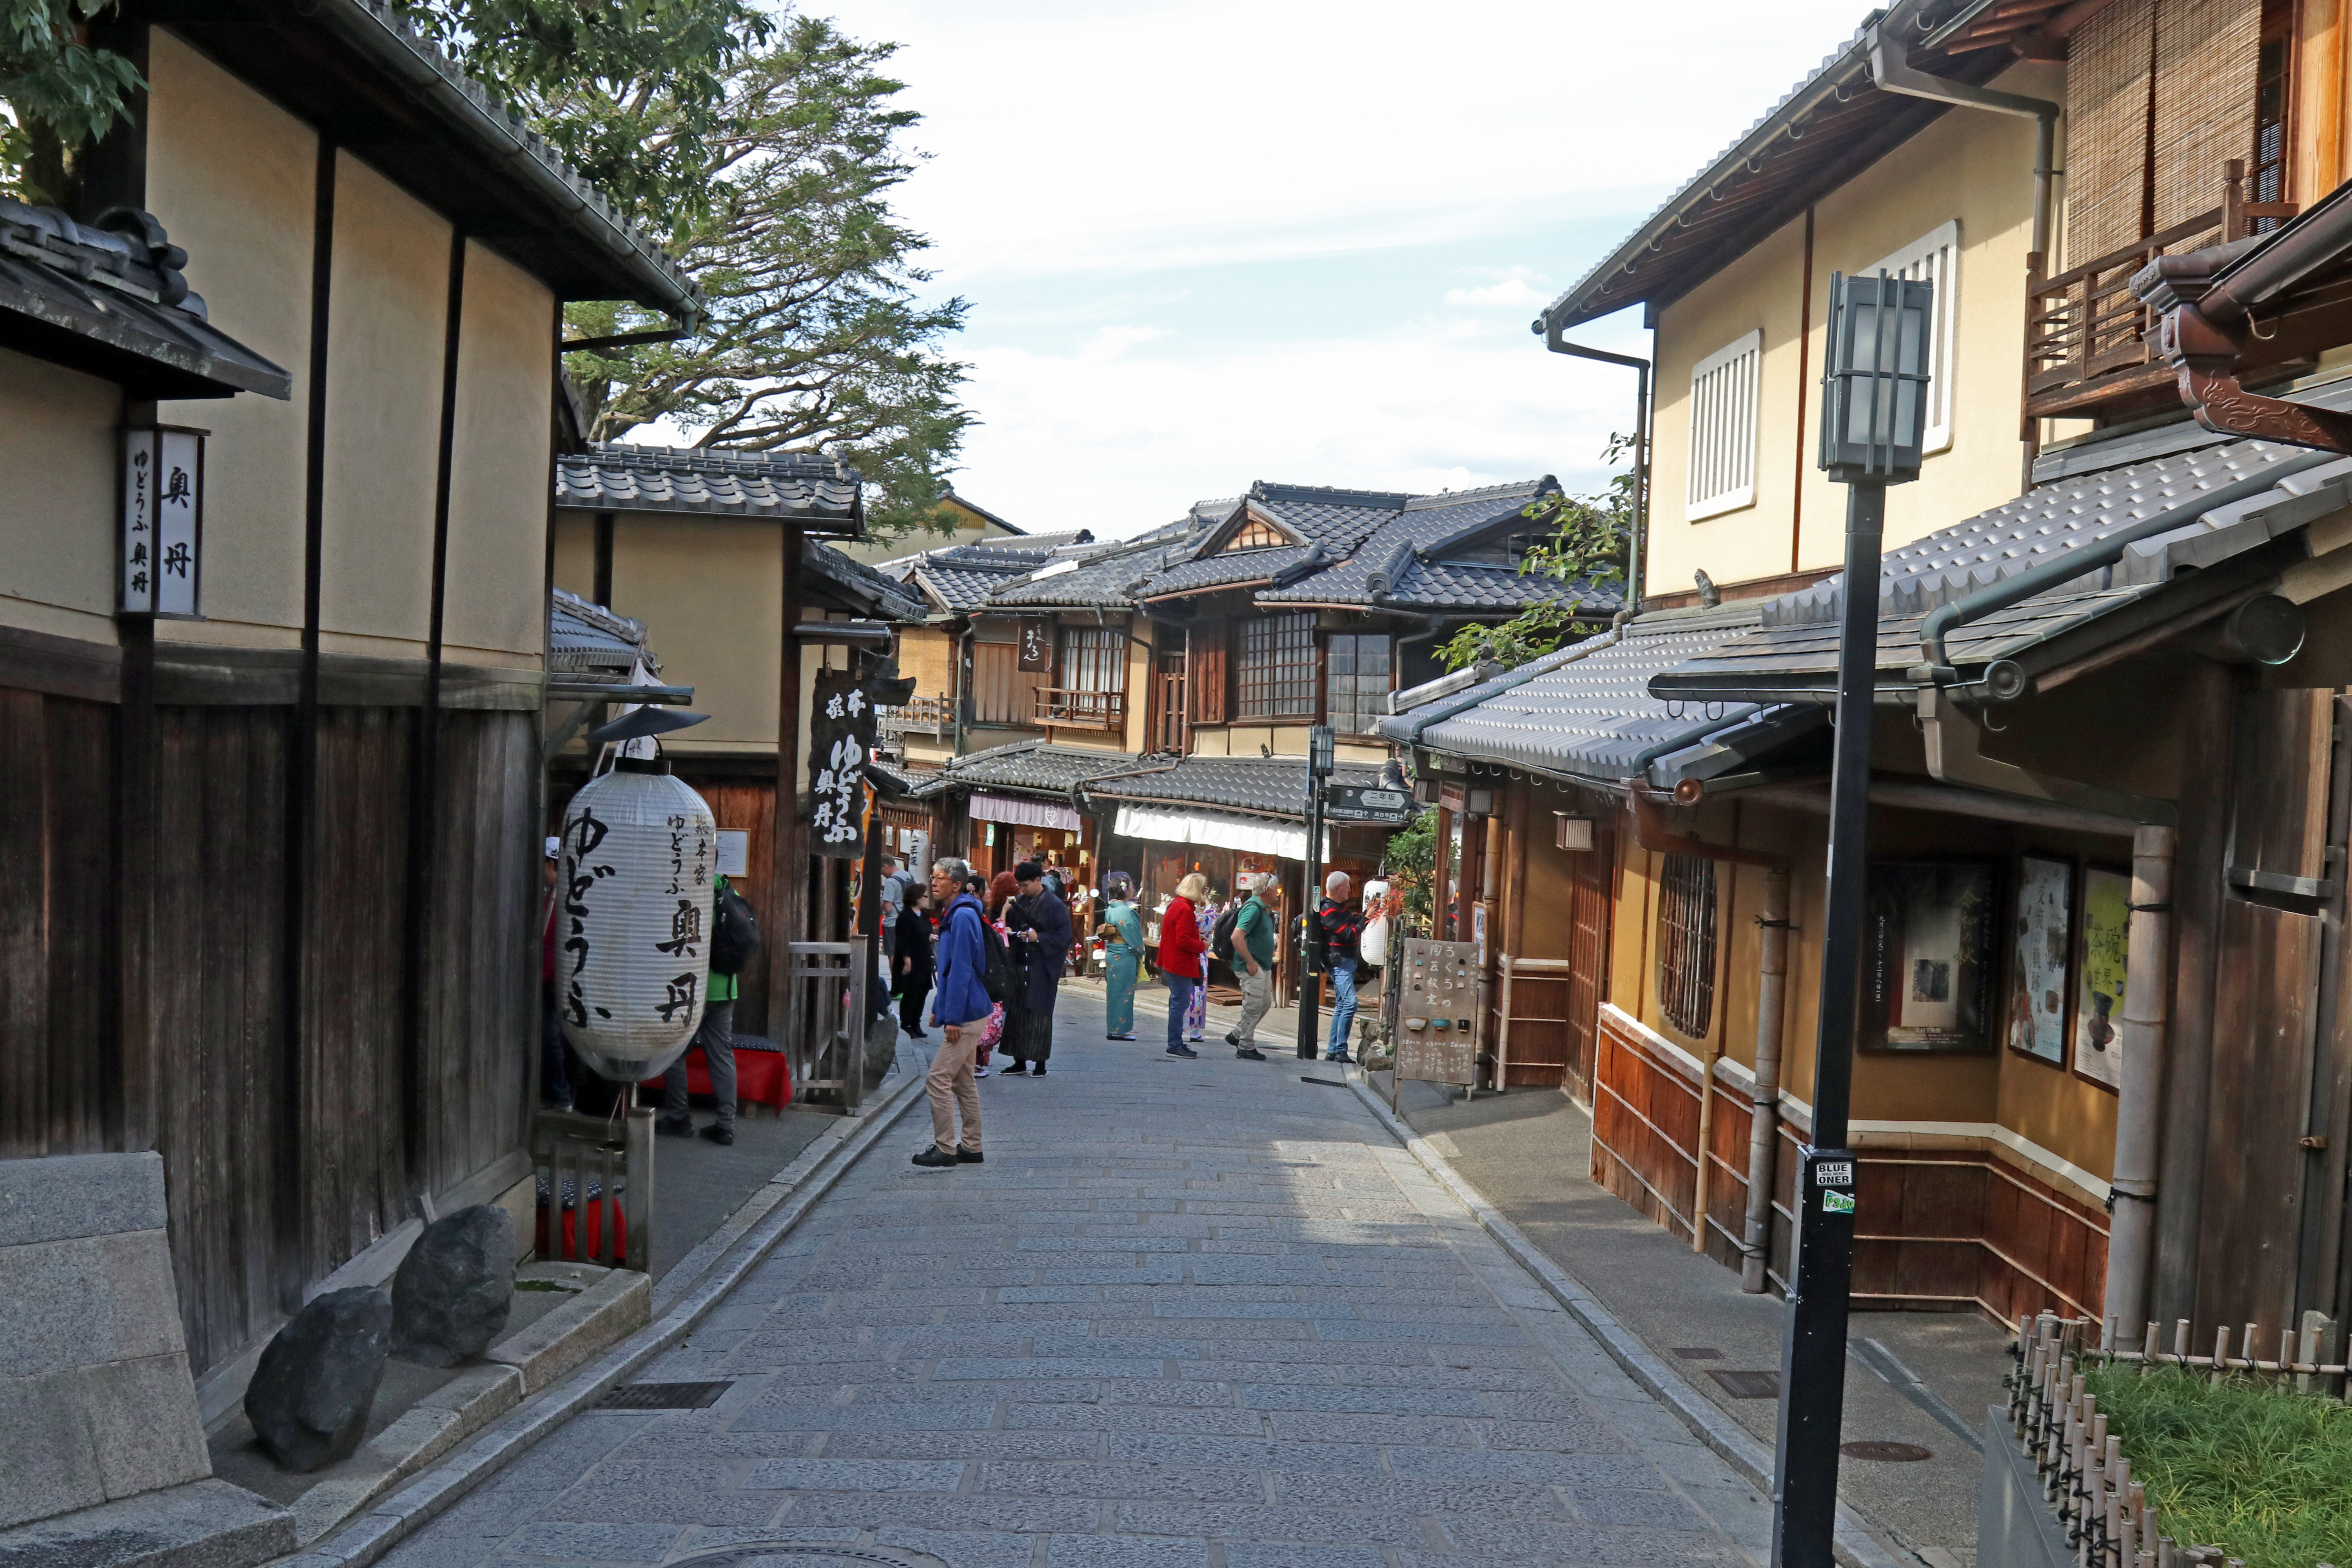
x,y
1122,934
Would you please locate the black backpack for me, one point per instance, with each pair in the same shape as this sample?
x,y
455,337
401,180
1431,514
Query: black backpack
x,y
997,975
734,933
1221,937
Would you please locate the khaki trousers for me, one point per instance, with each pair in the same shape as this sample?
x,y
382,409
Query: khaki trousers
x,y
1258,999
951,1087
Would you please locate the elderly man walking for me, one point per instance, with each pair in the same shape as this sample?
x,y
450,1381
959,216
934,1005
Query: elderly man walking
x,y
1342,930
1254,960
959,1001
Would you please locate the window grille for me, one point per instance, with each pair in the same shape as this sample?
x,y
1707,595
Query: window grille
x,y
1002,692
1723,428
1257,534
1356,681
1094,659
2267,170
1275,677
1934,257
1686,946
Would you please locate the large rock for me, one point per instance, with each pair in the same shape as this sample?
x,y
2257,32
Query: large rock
x,y
308,1399
450,1299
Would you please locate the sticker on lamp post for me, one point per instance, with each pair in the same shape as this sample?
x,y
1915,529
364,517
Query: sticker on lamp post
x,y
162,522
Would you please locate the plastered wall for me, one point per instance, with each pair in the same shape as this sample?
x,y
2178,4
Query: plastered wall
x,y
57,530
1972,166
710,592
498,472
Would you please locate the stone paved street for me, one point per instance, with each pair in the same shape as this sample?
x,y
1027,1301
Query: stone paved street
x,y
1198,1314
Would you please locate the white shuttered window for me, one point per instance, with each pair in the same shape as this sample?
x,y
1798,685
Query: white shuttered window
x,y
1723,428
1934,258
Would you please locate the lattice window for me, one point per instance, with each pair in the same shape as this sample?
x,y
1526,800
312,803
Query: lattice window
x,y
1356,681
1723,428
1934,257
2266,172
1256,534
1094,659
1687,944
1275,676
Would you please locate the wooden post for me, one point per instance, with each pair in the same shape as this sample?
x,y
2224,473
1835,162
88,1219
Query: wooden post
x,y
1503,1026
638,1159
1441,878
787,852
1490,912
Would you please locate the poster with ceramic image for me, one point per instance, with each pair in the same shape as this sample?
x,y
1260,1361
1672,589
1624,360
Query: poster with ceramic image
x,y
2041,952
2101,952
1931,959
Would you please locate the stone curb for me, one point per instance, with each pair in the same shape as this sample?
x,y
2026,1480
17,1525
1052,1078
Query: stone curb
x,y
1857,1545
688,1291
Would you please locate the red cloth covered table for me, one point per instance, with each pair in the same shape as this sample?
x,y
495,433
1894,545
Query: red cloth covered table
x,y
761,1077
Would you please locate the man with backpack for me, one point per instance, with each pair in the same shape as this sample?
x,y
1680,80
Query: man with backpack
x,y
1244,939
962,999
734,938
1342,931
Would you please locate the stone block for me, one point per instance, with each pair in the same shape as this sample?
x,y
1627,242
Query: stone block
x,y
452,1291
141,1417
44,1450
310,1397
73,1196
613,1308
204,1524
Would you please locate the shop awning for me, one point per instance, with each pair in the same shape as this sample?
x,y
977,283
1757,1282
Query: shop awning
x,y
1255,836
986,807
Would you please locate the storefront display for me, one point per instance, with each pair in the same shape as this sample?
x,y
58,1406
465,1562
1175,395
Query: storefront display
x,y
1929,959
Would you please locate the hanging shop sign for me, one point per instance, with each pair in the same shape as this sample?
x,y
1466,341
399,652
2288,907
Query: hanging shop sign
x,y
1037,646
635,871
1367,803
841,738
162,522
1929,959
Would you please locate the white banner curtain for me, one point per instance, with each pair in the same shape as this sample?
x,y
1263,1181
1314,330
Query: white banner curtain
x,y
1252,835
1020,809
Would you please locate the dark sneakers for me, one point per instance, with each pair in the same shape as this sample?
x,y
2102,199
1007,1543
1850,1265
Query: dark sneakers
x,y
722,1136
936,1158
1037,1070
673,1126
970,1157
1249,1054
1180,1053
1233,1039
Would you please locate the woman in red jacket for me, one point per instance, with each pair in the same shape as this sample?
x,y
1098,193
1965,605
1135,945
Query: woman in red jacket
x,y
1180,949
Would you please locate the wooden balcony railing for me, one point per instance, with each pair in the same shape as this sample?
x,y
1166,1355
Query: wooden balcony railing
x,y
933,716
1066,709
2087,333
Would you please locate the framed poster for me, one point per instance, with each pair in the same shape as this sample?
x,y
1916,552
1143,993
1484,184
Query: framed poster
x,y
2040,956
2101,949
1929,960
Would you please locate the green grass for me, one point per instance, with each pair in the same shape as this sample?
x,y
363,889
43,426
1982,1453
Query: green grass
x,y
2264,1474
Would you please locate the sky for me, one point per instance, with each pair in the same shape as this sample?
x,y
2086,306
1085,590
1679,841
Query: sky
x,y
1207,243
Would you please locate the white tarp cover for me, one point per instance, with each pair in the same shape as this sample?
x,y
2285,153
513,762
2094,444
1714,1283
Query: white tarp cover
x,y
1253,834
1020,809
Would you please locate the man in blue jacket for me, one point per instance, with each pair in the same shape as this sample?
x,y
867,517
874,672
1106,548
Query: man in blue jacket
x,y
960,999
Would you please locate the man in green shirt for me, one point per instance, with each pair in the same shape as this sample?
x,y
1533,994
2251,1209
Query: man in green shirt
x,y
1254,961
717,1038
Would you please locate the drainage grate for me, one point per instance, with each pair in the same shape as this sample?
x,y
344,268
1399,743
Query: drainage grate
x,y
1327,1083
663,1396
1887,1453
1748,1385
1697,1352
803,1555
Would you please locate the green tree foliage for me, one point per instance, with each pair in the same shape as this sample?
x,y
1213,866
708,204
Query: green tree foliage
x,y
814,338
1586,553
1411,862
57,92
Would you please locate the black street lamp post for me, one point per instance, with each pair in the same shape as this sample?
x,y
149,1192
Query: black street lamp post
x,y
1874,399
1322,753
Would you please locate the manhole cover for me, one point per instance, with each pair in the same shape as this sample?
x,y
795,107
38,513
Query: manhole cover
x,y
1697,1352
664,1395
1748,1385
1887,1453
803,1555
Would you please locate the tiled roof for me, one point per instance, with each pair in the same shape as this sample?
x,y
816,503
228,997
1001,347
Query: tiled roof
x,y
112,302
913,783
588,639
1447,585
1034,766
849,583
959,576
1794,649
1106,576
1587,710
1265,786
618,475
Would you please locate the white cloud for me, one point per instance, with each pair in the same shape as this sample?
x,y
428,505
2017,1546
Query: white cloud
x,y
1519,288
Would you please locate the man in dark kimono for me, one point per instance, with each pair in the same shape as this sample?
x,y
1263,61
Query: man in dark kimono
x,y
1041,935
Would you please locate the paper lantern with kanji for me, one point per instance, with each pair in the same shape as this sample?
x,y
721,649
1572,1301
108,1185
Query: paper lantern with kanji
x,y
633,918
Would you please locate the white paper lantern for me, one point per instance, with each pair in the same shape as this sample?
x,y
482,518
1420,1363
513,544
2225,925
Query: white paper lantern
x,y
1372,947
633,927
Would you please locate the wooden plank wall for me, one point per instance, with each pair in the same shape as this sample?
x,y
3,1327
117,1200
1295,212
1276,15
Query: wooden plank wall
x,y
1939,1229
58,1091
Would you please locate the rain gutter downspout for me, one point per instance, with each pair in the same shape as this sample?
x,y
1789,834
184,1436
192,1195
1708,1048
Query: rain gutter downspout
x,y
1764,1096
1890,71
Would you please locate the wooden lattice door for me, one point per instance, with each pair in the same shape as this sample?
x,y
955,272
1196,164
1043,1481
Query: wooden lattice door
x,y
1592,897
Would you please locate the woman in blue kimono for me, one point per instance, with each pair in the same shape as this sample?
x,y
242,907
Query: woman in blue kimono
x,y
1122,935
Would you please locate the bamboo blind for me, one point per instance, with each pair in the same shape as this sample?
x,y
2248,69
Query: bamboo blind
x,y
2107,135
2207,55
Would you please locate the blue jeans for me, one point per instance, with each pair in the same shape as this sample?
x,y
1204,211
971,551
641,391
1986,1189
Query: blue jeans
x,y
1179,1002
1343,1005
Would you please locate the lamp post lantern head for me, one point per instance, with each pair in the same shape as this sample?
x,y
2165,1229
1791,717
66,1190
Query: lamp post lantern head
x,y
1320,751
1874,378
